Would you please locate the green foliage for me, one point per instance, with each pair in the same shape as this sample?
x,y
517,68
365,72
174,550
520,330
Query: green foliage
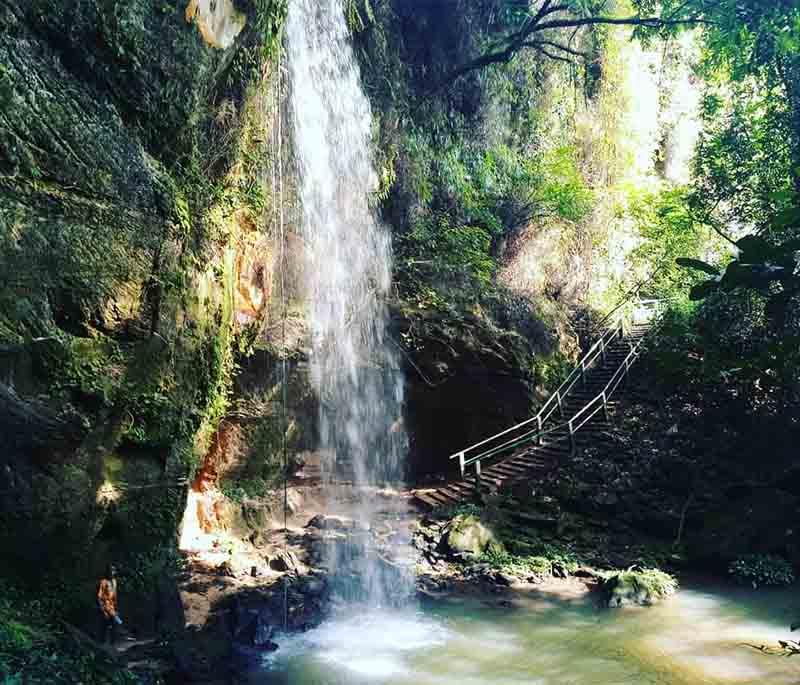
x,y
677,334
743,337
476,199
564,192
248,488
761,266
551,371
558,555
439,251
669,230
762,569
651,581
34,651
271,16
92,369
155,418
143,572
546,561
744,156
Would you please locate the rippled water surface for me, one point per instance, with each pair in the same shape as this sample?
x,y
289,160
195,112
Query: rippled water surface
x,y
700,636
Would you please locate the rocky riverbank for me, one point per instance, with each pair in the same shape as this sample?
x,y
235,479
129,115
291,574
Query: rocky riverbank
x,y
258,580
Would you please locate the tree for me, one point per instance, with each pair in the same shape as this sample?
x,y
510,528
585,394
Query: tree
x,y
553,27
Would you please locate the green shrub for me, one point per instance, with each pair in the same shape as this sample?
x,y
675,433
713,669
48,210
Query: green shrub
x,y
762,569
518,565
34,649
539,559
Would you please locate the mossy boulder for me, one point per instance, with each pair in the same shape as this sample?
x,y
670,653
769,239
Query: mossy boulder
x,y
642,587
468,536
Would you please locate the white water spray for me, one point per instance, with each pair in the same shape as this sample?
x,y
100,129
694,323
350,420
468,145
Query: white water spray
x,y
348,272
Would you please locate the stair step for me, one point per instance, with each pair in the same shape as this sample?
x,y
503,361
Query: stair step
x,y
512,470
440,499
451,494
554,450
486,479
461,485
427,500
530,466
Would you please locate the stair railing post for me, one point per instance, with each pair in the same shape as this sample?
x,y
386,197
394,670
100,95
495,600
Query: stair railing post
x,y
539,433
603,350
478,484
571,438
461,465
605,406
560,405
583,373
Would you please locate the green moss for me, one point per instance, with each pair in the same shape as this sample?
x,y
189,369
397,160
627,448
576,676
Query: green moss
x,y
642,586
120,198
469,535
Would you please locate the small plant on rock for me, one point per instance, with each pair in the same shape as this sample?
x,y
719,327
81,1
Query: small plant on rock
x,y
762,569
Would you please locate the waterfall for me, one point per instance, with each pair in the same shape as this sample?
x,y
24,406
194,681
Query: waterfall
x,y
354,368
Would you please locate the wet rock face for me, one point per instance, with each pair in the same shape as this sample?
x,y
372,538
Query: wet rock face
x,y
253,627
218,20
136,60
98,101
469,378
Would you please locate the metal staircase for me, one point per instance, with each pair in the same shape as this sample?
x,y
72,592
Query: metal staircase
x,y
576,412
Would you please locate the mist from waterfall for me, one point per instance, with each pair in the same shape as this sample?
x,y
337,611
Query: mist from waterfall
x,y
354,368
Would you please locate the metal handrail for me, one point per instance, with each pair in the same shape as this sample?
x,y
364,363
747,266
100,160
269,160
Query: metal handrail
x,y
555,401
598,403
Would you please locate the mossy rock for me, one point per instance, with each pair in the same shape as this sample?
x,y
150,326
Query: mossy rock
x,y
468,535
643,587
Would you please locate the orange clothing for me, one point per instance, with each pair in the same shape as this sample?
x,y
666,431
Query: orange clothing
x,y
107,597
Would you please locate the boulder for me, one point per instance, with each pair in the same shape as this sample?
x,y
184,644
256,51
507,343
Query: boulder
x,y
468,536
644,587
226,569
337,523
284,561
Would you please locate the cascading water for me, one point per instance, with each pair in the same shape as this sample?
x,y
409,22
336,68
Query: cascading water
x,y
348,275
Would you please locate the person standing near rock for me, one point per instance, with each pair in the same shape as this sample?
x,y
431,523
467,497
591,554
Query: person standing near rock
x,y
107,603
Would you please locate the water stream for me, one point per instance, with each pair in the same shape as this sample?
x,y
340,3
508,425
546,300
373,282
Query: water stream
x,y
701,636
347,276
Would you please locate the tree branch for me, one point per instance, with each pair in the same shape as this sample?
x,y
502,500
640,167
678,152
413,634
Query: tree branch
x,y
539,23
550,55
649,22
536,44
